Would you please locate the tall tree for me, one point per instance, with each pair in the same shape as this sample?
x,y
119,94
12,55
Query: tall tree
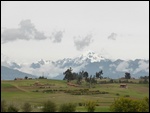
x,y
127,75
85,74
68,74
99,74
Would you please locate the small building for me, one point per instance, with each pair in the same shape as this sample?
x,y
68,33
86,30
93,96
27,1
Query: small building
x,y
123,85
30,78
18,79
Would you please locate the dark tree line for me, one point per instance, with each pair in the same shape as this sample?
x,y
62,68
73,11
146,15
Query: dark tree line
x,y
91,79
144,77
70,75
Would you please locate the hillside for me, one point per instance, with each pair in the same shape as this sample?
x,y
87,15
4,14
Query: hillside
x,y
11,74
37,91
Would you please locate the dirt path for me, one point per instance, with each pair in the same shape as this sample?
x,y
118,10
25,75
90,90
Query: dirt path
x,y
20,88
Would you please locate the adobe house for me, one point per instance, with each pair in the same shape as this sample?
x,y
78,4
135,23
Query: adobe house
x,y
123,85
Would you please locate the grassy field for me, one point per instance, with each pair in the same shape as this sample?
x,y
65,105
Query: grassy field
x,y
40,90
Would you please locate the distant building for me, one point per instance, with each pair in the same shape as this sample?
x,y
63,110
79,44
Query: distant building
x,y
18,79
30,78
123,85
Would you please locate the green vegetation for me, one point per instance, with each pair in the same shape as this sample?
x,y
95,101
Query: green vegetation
x,y
129,105
67,107
12,108
49,106
37,91
3,106
27,107
90,106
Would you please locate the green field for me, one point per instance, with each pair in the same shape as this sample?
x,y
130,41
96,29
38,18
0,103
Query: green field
x,y
40,90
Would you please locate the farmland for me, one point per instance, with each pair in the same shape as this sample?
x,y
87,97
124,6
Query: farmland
x,y
37,91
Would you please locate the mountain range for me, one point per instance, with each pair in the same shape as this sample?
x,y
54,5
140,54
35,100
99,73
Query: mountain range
x,y
88,61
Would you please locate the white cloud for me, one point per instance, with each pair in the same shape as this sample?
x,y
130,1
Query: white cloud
x,y
81,43
101,67
49,70
143,66
113,36
26,31
123,67
57,36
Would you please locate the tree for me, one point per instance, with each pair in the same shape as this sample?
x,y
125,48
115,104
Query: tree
x,y
68,107
85,74
79,78
93,80
42,77
74,76
144,77
26,107
99,74
127,75
26,77
145,81
81,73
49,106
68,74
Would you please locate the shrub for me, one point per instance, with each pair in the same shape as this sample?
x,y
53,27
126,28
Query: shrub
x,y
27,107
12,108
68,107
131,81
3,106
80,104
49,106
126,95
111,81
90,106
127,105
145,81
117,94
36,91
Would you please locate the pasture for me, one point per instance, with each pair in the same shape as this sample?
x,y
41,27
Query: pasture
x,y
37,91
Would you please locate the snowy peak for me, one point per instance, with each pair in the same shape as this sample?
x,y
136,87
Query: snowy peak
x,y
92,56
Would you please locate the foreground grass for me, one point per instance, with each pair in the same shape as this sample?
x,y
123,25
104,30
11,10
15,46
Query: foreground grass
x,y
19,92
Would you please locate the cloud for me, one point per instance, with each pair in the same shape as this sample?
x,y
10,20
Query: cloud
x,y
57,36
100,67
143,66
26,31
80,44
49,70
113,36
123,67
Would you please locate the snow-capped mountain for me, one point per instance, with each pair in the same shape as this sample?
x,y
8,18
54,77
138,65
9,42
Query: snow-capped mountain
x,y
88,61
85,58
93,57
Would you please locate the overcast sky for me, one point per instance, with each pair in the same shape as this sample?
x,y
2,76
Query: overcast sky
x,y
55,30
